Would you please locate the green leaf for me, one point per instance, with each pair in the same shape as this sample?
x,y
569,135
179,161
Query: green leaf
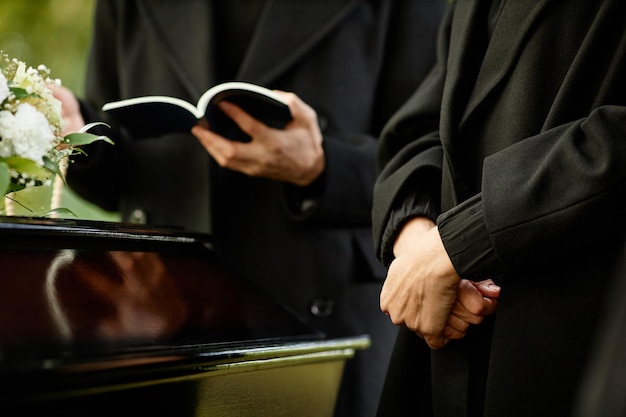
x,y
51,166
27,166
20,204
85,139
89,126
61,211
19,93
5,178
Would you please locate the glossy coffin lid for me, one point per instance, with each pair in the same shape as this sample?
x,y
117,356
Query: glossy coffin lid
x,y
73,293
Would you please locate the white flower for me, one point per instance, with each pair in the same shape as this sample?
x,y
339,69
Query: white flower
x,y
4,88
26,134
31,126
21,78
34,81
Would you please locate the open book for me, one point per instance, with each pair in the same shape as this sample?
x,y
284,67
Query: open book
x,y
152,116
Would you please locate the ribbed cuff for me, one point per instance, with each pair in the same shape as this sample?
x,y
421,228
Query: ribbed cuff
x,y
414,205
466,239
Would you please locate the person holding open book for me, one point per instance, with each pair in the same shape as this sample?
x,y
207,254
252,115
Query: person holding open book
x,y
292,207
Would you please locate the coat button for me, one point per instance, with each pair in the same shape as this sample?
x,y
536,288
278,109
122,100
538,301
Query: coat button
x,y
138,216
322,307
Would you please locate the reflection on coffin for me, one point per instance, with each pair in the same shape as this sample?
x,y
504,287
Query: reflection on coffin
x,y
102,318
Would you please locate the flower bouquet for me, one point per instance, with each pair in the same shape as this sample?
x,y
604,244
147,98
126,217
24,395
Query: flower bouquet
x,y
32,147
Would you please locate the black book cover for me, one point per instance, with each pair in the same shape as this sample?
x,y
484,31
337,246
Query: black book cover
x,y
153,116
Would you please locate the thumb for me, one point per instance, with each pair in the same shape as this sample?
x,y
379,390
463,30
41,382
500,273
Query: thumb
x,y
488,288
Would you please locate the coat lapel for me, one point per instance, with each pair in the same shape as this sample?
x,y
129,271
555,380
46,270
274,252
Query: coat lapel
x,y
272,52
509,36
163,20
474,68
269,54
464,59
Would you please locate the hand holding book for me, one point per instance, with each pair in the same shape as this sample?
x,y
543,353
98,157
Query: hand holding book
x,y
152,116
291,155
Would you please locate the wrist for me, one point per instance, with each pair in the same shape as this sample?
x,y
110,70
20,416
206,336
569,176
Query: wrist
x,y
414,228
313,172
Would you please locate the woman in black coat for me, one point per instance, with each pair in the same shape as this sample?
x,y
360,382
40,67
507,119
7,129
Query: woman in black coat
x,y
354,62
508,163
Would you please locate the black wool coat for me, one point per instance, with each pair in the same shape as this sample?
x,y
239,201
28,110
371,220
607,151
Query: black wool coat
x,y
355,62
534,121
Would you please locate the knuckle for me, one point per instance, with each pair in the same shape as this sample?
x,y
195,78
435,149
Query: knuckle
x,y
476,307
429,331
395,320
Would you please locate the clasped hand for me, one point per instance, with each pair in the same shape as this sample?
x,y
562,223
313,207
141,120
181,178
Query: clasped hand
x,y
292,155
424,293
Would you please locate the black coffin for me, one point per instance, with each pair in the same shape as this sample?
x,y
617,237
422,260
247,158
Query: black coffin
x,y
110,319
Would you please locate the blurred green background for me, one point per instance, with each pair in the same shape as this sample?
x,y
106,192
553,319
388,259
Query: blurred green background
x,y
55,33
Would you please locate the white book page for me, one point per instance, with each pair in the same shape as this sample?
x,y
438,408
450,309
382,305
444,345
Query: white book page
x,y
155,99
204,100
